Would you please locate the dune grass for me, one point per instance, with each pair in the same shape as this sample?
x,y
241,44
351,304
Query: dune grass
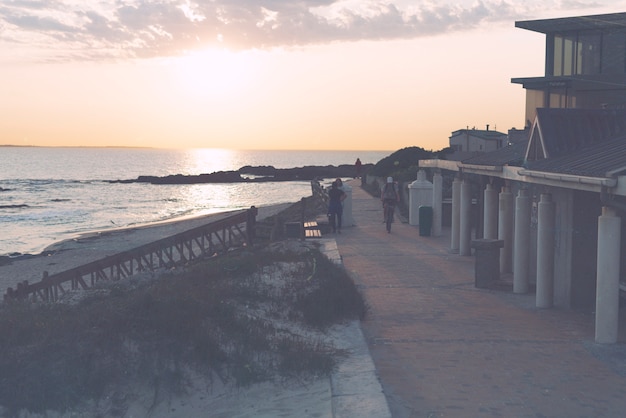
x,y
256,314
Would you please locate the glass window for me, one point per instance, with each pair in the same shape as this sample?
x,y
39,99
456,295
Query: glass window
x,y
577,53
589,53
534,99
556,100
613,53
558,55
564,55
562,99
568,55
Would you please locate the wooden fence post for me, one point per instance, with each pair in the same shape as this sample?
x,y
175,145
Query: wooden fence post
x,y
251,225
46,290
302,219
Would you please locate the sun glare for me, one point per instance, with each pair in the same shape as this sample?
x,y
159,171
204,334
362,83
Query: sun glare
x,y
208,160
215,72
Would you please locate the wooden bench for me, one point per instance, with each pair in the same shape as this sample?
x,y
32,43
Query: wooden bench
x,y
323,224
312,230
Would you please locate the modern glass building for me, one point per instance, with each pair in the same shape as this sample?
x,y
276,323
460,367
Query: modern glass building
x,y
585,64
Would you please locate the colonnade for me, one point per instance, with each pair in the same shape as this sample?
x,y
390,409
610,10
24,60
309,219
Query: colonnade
x,y
508,218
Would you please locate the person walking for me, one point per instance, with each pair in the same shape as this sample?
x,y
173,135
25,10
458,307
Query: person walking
x,y
357,167
390,196
336,196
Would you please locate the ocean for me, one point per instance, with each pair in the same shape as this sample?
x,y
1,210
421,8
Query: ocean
x,y
52,194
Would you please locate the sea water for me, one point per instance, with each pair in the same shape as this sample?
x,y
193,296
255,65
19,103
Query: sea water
x,y
51,194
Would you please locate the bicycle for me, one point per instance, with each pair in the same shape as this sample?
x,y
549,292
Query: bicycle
x,y
388,209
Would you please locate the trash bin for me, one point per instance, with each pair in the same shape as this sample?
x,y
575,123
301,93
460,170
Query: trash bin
x,y
425,216
487,262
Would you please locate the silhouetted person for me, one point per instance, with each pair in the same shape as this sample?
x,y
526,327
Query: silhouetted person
x,y
336,196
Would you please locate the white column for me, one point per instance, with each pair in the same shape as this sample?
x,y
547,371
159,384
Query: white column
x,y
490,213
607,286
505,229
521,256
437,203
456,215
466,219
545,252
420,194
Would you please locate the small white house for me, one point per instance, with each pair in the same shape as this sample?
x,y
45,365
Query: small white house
x,y
477,140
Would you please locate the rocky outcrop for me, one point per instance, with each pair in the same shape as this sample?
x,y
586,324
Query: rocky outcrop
x,y
255,174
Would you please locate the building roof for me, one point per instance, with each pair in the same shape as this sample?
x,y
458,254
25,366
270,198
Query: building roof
x,y
603,160
479,133
615,82
581,142
461,155
510,155
562,131
566,24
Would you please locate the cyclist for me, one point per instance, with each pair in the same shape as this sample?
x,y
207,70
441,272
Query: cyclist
x,y
390,197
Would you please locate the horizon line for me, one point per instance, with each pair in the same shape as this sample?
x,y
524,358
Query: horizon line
x,y
165,148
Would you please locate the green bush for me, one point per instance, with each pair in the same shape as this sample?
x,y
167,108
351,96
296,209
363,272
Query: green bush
x,y
402,165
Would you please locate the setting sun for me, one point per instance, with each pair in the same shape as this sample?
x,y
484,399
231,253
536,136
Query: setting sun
x,y
212,71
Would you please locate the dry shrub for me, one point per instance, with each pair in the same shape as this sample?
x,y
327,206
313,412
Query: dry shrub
x,y
237,317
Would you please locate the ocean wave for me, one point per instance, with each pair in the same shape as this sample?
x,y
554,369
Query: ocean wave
x,y
19,206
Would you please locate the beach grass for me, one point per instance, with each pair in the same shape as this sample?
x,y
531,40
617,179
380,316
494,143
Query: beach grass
x,y
257,314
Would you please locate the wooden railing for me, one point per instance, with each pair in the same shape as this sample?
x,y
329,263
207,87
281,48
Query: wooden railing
x,y
207,240
319,192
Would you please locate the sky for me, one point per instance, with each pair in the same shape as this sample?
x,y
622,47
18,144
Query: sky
x,y
267,74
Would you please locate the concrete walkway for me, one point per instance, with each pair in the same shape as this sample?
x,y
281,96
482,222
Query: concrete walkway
x,y
443,348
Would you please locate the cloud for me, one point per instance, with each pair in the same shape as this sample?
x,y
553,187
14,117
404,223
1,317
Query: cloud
x,y
91,29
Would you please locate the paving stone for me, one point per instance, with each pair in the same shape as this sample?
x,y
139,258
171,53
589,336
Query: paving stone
x,y
443,348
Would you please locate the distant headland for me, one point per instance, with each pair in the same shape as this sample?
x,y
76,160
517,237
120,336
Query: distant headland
x,y
255,174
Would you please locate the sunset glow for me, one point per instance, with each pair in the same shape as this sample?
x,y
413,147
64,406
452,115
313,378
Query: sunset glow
x,y
213,72
347,75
